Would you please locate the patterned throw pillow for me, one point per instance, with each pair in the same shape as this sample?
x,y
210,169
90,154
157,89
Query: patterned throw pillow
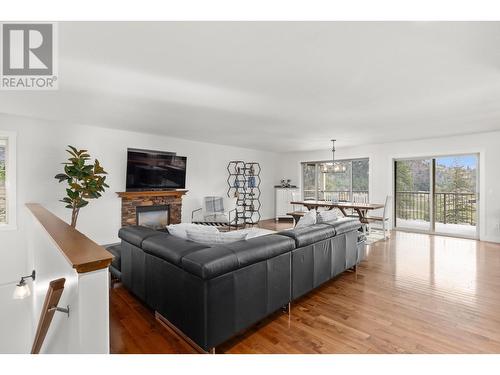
x,y
215,238
308,219
179,230
327,216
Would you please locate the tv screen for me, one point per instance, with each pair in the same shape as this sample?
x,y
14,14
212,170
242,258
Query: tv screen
x,y
155,170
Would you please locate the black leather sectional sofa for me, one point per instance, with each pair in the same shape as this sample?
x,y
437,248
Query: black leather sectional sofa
x,y
212,293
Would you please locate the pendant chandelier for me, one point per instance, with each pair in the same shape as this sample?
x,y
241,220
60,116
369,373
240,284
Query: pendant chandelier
x,y
334,167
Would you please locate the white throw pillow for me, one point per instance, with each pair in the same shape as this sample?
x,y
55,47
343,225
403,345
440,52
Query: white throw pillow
x,y
211,238
308,219
327,216
179,230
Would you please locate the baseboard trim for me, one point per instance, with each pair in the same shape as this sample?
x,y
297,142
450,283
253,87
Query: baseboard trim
x,y
492,239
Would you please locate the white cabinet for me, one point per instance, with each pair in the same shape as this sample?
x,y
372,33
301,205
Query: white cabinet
x,y
282,199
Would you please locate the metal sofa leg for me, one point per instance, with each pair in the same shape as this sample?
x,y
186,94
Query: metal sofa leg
x,y
287,307
287,310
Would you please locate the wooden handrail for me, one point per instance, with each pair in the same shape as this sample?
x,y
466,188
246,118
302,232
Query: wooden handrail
x,y
83,254
56,288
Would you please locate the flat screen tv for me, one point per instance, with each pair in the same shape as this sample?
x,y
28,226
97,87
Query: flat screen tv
x,y
155,170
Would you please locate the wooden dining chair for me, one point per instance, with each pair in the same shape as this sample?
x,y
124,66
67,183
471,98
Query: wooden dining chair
x,y
359,198
296,196
384,219
298,210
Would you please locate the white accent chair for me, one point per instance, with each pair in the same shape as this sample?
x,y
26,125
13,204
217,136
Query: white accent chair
x,y
215,211
384,219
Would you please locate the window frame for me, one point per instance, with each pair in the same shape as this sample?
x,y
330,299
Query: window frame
x,y
10,181
317,170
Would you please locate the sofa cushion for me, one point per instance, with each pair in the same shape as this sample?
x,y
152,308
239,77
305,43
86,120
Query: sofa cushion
x,y
344,225
308,235
170,248
135,234
211,262
260,248
215,261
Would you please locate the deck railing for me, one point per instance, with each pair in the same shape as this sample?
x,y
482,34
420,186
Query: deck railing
x,y
359,196
450,208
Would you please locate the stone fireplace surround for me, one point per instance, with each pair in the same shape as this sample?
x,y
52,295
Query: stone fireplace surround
x,y
133,199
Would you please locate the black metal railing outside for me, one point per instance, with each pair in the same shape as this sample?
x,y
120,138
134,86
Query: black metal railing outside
x,y
359,196
450,208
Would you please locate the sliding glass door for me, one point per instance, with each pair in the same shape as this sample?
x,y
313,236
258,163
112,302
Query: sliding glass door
x,y
437,195
455,196
413,193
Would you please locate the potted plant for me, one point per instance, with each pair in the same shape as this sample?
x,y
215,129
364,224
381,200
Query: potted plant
x,y
85,180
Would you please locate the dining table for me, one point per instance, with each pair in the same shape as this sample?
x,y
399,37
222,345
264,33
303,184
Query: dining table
x,y
361,209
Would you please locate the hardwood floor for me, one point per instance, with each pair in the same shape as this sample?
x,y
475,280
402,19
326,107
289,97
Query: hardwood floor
x,y
415,293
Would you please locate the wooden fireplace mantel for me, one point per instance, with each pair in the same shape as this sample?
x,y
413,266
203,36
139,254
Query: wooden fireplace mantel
x,y
152,193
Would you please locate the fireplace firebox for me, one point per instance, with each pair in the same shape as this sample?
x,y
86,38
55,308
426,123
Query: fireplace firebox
x,y
155,217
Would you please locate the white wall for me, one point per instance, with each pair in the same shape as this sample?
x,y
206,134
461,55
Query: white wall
x,y
40,151
15,319
381,155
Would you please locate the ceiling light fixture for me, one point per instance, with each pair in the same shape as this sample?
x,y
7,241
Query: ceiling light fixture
x,y
334,167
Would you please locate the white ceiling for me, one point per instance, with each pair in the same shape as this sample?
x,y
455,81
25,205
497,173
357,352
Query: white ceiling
x,y
278,86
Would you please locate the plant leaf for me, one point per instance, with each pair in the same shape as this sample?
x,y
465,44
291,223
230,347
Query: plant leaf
x,y
61,177
85,180
82,203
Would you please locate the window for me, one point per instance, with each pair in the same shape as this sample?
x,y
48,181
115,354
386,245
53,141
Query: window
x,y
351,185
7,180
3,194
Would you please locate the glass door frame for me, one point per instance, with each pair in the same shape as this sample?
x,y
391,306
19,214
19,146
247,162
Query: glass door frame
x,y
432,171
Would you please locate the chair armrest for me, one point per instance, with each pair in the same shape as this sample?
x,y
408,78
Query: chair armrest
x,y
231,218
194,211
